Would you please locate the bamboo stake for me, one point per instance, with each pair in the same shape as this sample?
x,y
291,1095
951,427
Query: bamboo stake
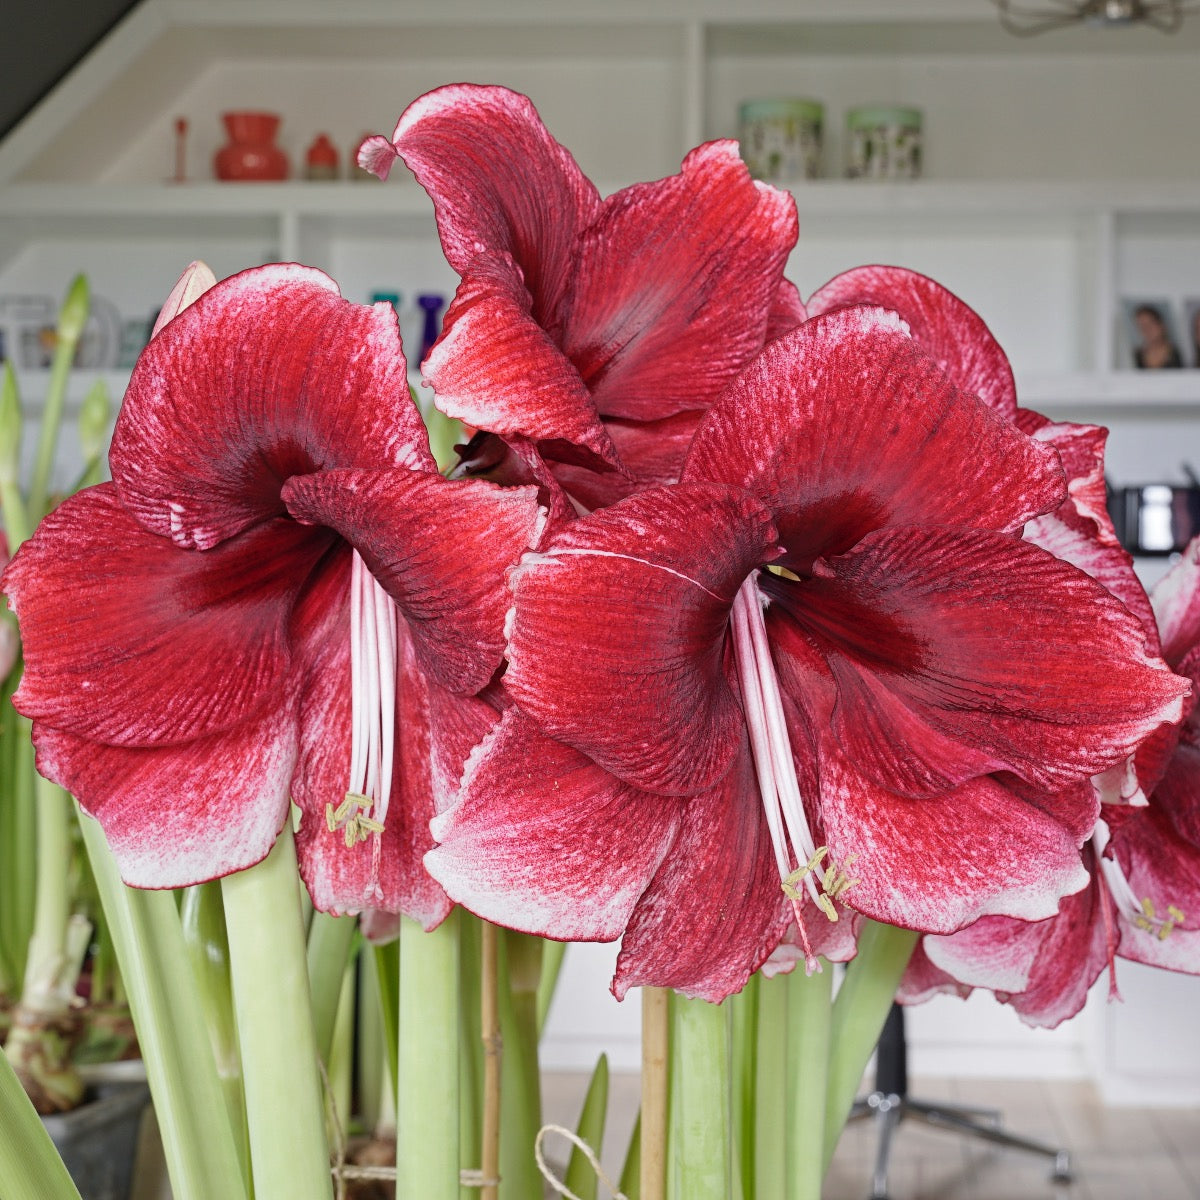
x,y
655,1019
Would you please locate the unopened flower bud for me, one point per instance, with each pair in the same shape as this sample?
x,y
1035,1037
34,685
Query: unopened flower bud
x,y
94,416
10,427
73,315
190,286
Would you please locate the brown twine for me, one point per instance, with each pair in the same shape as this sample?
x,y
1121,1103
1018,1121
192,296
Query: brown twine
x,y
548,1172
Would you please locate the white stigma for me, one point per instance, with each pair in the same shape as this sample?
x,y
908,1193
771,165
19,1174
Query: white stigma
x,y
798,858
373,648
1140,913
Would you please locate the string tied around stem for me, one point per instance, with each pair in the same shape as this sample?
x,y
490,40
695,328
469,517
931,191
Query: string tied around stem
x,y
548,1172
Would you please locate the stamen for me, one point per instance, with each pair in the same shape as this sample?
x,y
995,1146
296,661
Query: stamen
x,y
801,863
373,648
1141,913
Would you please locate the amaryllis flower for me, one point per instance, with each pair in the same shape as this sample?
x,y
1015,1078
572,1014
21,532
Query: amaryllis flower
x,y
1142,901
595,329
1079,530
276,598
821,672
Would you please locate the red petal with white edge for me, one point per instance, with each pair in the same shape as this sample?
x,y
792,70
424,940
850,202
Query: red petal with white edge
x,y
499,182
922,980
1176,602
787,311
938,864
178,815
848,425
131,640
954,334
440,548
715,909
1073,953
996,953
1080,531
1165,869
962,652
268,374
496,368
544,841
676,280
617,639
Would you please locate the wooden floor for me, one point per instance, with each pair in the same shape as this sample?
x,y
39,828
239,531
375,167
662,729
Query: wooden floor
x,y
1117,1153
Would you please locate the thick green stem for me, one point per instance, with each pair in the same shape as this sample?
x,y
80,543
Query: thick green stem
x,y
288,1152
71,319
329,941
471,1047
771,1089
340,1068
25,824
520,959
699,1140
861,1007
30,1168
427,1133
809,1013
202,919
387,981
743,1032
197,1137
552,961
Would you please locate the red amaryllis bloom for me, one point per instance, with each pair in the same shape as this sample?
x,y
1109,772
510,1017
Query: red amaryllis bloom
x,y
1143,897
1080,530
821,671
595,329
276,598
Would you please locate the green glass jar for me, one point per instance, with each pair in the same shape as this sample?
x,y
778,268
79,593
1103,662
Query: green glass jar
x,y
781,139
883,142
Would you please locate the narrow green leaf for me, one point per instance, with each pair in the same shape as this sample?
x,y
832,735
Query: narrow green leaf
x,y
30,1168
552,961
581,1175
630,1182
198,1140
329,941
387,976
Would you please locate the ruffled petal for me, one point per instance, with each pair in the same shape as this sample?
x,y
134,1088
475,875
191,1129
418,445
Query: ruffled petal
x,y
940,863
954,334
179,644
179,815
715,909
544,841
440,547
617,640
1080,531
963,652
848,425
499,183
675,282
1176,602
495,368
267,375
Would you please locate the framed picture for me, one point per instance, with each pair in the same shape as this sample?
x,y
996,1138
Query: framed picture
x,y
1151,337
1191,332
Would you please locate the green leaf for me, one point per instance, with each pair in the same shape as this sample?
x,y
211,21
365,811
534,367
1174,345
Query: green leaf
x,y
581,1175
30,1168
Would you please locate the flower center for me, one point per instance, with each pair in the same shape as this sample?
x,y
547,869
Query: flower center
x,y
801,863
1141,913
373,647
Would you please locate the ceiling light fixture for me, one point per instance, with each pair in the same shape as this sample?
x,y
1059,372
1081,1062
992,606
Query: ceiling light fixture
x,y
1024,20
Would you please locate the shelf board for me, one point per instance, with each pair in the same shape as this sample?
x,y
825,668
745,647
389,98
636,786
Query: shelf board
x,y
1123,392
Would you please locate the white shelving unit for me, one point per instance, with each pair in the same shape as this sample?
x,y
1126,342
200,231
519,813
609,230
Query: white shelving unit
x,y
1061,178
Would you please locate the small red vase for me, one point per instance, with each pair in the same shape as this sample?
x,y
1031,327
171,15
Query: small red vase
x,y
251,153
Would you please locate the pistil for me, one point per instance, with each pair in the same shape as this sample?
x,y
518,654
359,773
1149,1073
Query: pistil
x,y
802,865
373,648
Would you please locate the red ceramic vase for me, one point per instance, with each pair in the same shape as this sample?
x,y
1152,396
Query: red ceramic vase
x,y
251,153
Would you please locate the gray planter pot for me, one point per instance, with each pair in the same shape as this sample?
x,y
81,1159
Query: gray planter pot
x,y
98,1140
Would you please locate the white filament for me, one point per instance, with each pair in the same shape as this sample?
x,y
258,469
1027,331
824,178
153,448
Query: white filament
x,y
778,786
373,649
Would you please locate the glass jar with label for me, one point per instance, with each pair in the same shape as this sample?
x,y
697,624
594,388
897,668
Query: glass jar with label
x,y
883,142
781,139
